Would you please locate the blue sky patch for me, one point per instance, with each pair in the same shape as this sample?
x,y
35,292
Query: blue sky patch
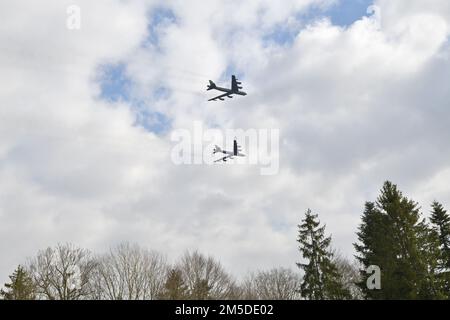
x,y
160,17
115,86
346,12
155,122
281,35
343,13
114,83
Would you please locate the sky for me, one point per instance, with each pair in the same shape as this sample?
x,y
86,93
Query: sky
x,y
87,119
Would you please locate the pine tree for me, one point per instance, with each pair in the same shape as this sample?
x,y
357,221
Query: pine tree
x,y
393,237
201,290
21,286
321,279
440,221
433,284
174,288
375,247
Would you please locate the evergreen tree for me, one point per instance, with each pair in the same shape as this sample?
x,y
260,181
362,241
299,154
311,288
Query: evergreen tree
x,y
21,286
201,290
433,284
392,237
375,247
440,221
174,288
321,279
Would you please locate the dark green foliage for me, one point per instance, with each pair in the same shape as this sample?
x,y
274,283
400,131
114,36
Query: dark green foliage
x,y
393,237
440,221
21,286
321,279
174,288
201,290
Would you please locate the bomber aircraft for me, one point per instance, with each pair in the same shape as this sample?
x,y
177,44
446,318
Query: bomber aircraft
x,y
229,154
235,89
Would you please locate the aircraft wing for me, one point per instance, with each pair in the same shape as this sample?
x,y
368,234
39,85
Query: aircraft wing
x,y
221,97
235,84
224,159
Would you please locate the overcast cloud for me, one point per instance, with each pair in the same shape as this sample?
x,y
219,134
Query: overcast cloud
x,y
86,117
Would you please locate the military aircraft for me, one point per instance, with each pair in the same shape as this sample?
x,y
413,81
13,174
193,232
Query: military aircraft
x,y
235,89
229,154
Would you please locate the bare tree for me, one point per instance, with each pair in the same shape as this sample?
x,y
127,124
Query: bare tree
x,y
205,278
276,284
129,272
62,273
350,275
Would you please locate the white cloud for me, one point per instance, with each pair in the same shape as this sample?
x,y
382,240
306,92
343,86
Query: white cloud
x,y
355,106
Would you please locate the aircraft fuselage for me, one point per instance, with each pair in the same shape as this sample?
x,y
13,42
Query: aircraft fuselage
x,y
241,93
233,153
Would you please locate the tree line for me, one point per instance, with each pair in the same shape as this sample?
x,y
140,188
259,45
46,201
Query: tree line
x,y
412,253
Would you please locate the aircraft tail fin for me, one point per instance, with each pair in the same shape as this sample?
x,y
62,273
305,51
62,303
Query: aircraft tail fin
x,y
211,85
